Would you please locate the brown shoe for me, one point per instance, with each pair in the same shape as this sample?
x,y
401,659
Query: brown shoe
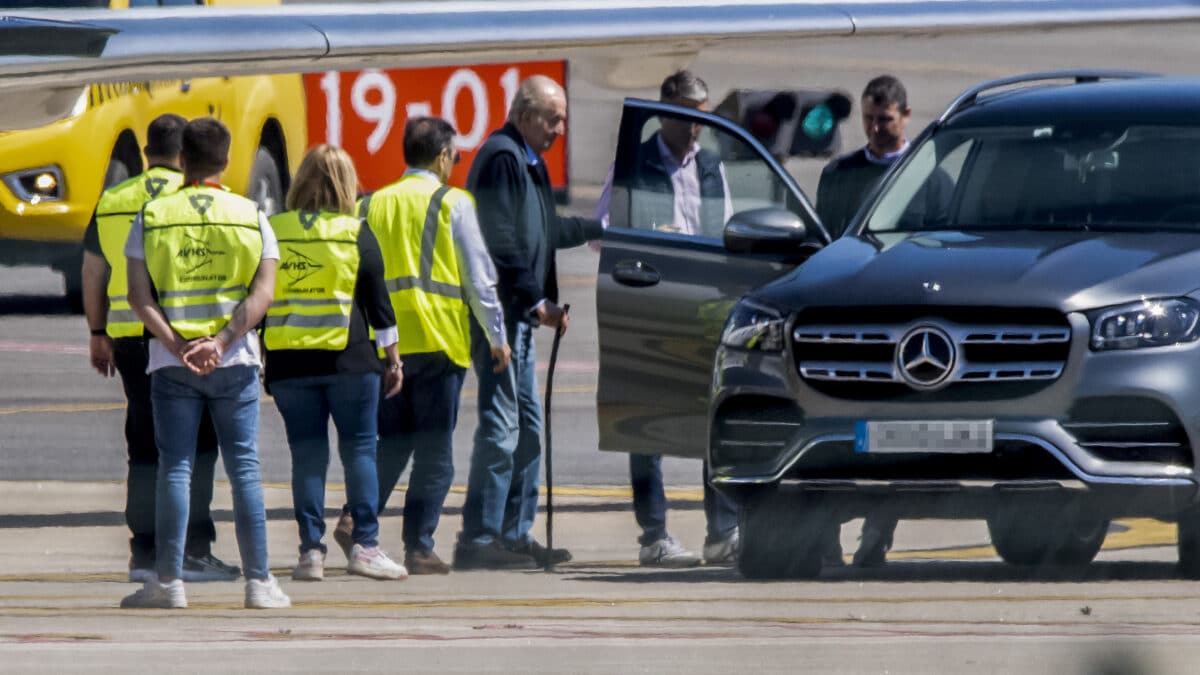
x,y
425,562
342,534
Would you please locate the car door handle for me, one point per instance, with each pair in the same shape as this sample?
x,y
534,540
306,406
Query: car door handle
x,y
635,273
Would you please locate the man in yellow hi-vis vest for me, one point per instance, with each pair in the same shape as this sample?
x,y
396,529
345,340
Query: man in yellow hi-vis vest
x,y
201,266
438,272
117,343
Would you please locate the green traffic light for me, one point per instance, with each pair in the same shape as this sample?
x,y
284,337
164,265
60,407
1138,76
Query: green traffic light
x,y
818,122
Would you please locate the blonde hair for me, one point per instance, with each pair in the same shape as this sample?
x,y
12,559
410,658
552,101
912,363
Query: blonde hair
x,y
325,181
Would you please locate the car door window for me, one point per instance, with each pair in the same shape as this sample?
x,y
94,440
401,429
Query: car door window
x,y
663,183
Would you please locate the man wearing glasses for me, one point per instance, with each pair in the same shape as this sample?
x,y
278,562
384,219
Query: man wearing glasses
x,y
522,230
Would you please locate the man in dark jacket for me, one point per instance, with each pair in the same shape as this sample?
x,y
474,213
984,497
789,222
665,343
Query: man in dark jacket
x,y
522,231
846,180
844,185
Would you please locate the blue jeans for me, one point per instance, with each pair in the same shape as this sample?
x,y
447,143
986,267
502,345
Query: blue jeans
x,y
419,423
306,404
650,502
502,487
131,357
231,396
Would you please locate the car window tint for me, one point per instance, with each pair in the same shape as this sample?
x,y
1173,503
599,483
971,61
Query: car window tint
x,y
694,195
1048,177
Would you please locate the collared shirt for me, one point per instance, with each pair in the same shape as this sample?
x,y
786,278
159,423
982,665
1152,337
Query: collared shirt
x,y
888,158
244,352
530,155
475,265
685,184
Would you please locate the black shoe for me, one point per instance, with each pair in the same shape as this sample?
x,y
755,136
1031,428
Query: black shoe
x,y
832,549
540,553
876,542
208,567
490,556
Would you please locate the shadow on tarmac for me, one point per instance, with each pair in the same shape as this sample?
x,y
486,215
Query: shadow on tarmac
x,y
117,518
34,305
908,572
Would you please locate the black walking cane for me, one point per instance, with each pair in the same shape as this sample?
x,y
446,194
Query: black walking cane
x,y
549,448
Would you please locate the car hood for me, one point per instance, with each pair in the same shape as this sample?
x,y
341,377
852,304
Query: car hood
x,y
1065,270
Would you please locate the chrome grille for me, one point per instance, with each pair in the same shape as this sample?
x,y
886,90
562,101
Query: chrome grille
x,y
985,353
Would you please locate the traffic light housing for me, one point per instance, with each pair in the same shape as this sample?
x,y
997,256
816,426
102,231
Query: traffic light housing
x,y
790,123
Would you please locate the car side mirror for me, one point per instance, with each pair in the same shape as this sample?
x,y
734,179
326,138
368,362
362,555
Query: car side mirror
x,y
766,230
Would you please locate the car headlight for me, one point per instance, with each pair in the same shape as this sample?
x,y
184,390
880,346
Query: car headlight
x,y
754,326
1149,323
43,184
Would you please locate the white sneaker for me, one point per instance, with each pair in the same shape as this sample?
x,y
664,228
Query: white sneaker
x,y
311,566
266,594
723,551
667,552
374,563
153,595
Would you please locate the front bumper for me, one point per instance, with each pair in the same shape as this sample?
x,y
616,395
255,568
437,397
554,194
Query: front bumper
x,y
769,426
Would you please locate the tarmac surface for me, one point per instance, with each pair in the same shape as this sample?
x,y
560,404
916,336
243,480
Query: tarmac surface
x,y
933,608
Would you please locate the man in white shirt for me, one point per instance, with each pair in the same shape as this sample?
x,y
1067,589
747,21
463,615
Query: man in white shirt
x,y
679,187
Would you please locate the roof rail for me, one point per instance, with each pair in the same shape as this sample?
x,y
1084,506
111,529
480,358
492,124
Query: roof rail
x,y
969,96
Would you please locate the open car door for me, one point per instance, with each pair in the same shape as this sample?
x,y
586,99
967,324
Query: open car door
x,y
664,290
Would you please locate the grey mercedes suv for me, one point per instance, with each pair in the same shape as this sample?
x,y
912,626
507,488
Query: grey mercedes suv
x,y
1007,331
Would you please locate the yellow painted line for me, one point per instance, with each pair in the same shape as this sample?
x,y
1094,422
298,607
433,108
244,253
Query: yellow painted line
x,y
576,280
64,408
680,494
1140,533
609,602
468,394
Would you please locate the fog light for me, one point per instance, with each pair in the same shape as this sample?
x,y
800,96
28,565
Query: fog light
x,y
45,183
36,185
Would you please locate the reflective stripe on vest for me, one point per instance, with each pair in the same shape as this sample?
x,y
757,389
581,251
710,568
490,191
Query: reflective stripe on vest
x,y
203,247
314,286
114,214
411,219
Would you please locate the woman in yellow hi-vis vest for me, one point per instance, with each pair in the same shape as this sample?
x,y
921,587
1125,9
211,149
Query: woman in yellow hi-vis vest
x,y
321,361
201,267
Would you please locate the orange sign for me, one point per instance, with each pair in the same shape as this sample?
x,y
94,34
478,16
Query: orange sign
x,y
364,112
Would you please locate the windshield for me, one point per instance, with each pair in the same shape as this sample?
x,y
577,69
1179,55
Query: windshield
x,y
1047,177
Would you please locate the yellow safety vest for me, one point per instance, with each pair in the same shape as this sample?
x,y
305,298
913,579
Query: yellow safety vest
x,y
114,214
314,287
411,219
203,247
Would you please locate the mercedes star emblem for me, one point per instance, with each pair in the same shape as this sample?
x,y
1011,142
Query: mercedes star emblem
x,y
925,357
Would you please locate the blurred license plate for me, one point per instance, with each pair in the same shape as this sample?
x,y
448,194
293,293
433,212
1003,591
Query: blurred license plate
x,y
950,436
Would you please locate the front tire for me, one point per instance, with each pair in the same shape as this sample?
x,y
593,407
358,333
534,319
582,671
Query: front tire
x,y
782,537
1189,543
1037,533
266,184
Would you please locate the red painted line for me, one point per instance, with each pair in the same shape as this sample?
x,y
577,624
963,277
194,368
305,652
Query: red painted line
x,y
42,347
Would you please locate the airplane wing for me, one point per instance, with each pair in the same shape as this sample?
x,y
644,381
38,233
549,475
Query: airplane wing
x,y
40,48
50,54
